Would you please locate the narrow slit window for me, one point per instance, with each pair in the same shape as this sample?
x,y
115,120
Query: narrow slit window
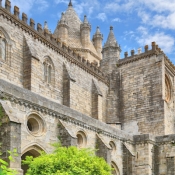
x,y
3,50
49,74
45,72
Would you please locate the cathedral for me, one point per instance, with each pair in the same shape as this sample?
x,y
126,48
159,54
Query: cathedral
x,y
65,86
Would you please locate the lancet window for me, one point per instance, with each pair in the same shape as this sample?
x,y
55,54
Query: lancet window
x,y
3,47
48,71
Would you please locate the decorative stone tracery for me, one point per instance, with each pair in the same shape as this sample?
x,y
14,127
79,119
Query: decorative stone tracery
x,y
49,73
167,89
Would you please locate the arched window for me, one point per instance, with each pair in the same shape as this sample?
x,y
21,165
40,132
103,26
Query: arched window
x,y
115,170
168,89
5,46
3,49
48,71
81,139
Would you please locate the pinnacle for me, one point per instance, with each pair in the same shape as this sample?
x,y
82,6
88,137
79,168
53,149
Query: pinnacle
x,y
70,4
111,41
98,31
85,20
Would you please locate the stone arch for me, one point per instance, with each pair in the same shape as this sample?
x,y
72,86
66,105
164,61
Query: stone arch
x,y
81,139
48,71
113,146
5,46
168,88
33,150
115,170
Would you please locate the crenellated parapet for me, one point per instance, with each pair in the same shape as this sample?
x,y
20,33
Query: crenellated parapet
x,y
155,50
47,38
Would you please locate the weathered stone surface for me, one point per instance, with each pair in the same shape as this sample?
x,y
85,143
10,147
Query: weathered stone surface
x,y
52,89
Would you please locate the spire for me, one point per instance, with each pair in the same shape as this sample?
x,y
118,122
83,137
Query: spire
x,y
85,20
85,24
62,20
98,31
111,41
70,4
45,25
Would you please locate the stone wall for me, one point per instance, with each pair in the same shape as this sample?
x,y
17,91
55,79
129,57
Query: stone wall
x,y
27,70
140,96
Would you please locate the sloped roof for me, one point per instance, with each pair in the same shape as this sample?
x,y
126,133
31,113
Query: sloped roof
x,y
111,41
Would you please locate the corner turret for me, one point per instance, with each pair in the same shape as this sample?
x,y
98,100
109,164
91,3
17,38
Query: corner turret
x,y
63,29
97,40
85,29
111,53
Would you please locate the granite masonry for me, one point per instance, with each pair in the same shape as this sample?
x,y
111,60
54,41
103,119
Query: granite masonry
x,y
65,87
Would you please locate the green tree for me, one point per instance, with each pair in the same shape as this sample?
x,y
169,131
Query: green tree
x,y
4,166
67,161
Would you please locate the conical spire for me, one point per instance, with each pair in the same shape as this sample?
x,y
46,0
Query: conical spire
x,y
85,20
111,41
62,20
98,31
70,4
85,24
45,25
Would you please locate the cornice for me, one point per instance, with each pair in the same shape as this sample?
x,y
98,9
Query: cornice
x,y
135,58
58,47
86,50
7,97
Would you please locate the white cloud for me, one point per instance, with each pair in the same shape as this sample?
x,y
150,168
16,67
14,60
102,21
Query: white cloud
x,y
116,20
26,6
165,41
159,5
102,16
61,1
86,8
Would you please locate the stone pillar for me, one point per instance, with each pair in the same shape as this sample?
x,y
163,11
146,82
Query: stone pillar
x,y
97,100
65,138
144,154
10,136
103,150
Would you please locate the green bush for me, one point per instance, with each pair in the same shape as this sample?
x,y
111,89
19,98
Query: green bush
x,y
4,169
67,161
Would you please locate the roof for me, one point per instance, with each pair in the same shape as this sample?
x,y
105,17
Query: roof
x,y
111,41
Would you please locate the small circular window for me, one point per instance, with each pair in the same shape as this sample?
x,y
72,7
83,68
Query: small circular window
x,y
35,125
81,139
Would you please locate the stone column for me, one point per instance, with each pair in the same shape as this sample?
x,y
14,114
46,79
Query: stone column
x,y
143,160
103,150
10,136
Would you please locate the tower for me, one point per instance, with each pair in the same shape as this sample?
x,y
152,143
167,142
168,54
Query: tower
x,y
85,29
111,53
63,29
97,40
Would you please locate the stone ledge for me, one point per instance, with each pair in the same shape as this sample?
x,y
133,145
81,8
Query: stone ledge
x,y
29,99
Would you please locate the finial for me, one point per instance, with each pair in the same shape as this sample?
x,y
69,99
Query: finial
x,y
98,30
85,19
111,28
45,25
70,4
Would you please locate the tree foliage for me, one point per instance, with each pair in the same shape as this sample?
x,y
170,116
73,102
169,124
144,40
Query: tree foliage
x,y
4,166
67,161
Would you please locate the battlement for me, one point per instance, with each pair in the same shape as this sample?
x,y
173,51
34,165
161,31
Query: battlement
x,y
47,38
134,57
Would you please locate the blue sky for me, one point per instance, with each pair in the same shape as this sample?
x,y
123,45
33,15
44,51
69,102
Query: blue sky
x,y
136,22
